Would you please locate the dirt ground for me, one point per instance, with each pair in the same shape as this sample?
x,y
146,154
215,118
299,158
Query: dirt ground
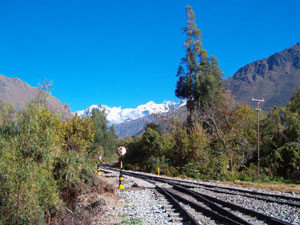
x,y
112,210
100,209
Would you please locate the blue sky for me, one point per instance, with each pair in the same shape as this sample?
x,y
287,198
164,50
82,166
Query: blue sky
x,y
126,53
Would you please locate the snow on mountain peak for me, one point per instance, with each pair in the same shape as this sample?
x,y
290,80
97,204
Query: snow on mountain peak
x,y
117,115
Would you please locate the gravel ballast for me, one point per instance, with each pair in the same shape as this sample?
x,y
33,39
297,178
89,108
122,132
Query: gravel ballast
x,y
142,203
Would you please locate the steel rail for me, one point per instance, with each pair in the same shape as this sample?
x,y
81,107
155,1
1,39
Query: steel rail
x,y
199,196
244,191
291,198
195,205
294,204
176,203
272,220
255,196
220,214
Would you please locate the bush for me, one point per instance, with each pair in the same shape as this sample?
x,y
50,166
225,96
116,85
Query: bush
x,y
43,163
29,191
72,169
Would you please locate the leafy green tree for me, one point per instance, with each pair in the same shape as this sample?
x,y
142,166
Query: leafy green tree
x,y
153,142
293,118
79,133
281,139
154,126
112,142
105,140
100,126
232,127
294,104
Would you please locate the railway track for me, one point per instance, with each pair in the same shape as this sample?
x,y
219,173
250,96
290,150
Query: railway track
x,y
195,205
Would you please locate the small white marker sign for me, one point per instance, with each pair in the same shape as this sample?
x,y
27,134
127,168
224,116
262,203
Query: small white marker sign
x,y
121,150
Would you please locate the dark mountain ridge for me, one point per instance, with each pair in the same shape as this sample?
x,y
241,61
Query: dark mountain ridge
x,y
273,79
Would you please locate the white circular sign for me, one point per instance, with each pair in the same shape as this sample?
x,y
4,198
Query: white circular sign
x,y
121,150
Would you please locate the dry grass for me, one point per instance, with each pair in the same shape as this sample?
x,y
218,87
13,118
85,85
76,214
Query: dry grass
x,y
288,188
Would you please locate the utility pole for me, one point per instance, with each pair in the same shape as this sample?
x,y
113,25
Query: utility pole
x,y
258,101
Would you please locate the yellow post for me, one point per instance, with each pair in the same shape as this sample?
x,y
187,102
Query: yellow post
x,y
158,171
121,186
98,168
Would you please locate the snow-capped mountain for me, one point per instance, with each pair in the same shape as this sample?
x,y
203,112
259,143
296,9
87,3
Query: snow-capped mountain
x,y
117,115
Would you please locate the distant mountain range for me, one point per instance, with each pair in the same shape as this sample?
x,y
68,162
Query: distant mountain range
x,y
117,115
272,79
131,121
16,92
136,127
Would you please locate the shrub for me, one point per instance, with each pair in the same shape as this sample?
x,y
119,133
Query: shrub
x,y
39,169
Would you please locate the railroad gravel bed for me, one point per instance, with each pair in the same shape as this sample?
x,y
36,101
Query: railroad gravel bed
x,y
282,212
200,217
142,203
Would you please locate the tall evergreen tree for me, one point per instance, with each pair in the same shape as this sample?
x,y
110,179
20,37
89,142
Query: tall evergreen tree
x,y
189,64
200,79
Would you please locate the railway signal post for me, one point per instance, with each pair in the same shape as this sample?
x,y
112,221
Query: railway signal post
x,y
121,151
98,164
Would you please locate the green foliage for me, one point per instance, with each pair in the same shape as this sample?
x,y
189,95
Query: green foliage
x,y
281,139
42,160
105,140
71,170
287,159
294,104
79,133
29,191
147,152
211,168
155,127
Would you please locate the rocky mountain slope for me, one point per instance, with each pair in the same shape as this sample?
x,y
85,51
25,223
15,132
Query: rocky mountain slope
x,y
17,92
272,79
136,127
